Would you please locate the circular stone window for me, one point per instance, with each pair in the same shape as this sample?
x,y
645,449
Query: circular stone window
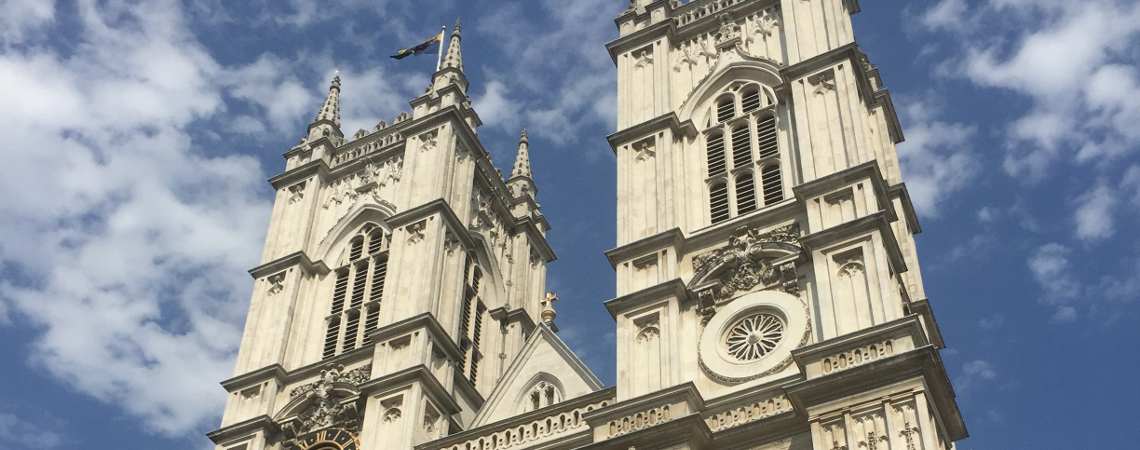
x,y
753,336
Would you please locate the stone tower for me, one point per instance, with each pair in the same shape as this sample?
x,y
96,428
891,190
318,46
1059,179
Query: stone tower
x,y
765,261
768,288
401,275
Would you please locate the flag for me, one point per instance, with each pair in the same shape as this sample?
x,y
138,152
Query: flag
x,y
425,47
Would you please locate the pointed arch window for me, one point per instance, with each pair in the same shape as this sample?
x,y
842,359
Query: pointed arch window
x,y
541,394
737,184
357,291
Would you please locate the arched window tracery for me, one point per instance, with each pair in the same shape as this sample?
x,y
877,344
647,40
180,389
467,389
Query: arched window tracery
x,y
745,176
357,292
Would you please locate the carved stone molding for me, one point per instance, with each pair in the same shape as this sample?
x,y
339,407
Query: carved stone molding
x,y
644,419
749,413
333,400
745,264
337,374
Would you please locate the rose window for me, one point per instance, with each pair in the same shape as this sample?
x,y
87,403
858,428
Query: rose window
x,y
755,336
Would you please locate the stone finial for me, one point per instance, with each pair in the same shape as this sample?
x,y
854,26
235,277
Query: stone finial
x,y
327,123
548,313
331,109
522,161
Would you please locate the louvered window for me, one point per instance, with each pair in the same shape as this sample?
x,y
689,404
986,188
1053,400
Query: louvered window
x,y
477,333
471,319
773,188
718,199
330,337
725,110
750,101
361,280
745,193
741,148
716,154
766,137
735,186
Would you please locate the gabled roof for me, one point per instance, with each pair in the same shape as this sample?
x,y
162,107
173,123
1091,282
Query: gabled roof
x,y
543,357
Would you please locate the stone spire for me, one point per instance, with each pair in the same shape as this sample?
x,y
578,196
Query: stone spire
x,y
522,161
451,69
521,182
454,58
328,119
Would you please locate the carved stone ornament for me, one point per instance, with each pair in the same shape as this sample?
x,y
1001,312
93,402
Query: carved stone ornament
x,y
822,83
766,22
333,400
747,262
729,34
337,374
276,284
297,192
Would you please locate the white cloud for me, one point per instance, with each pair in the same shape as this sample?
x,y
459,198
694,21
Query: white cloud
x,y
947,15
992,323
20,433
130,242
18,17
1050,267
1094,216
1130,185
936,158
974,371
560,82
1074,60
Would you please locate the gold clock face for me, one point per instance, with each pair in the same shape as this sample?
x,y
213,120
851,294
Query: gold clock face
x,y
330,439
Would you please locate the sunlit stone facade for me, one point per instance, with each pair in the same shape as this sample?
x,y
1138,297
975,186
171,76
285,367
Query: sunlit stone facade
x,y
768,289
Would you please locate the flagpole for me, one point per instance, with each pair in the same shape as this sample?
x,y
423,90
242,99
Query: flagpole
x,y
439,59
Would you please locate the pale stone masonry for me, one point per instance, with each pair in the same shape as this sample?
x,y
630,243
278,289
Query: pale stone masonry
x,y
768,288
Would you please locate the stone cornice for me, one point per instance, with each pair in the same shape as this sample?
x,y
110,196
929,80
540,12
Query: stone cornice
x,y
438,206
517,315
908,325
421,321
318,167
921,362
900,191
298,258
241,429
651,126
672,288
463,384
256,377
779,213
829,183
686,392
922,308
847,230
671,238
850,53
883,97
530,227
522,419
644,36
407,376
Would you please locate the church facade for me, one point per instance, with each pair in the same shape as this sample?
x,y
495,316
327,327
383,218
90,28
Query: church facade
x,y
768,287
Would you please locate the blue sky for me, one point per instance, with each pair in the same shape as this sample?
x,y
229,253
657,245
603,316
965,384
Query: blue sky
x,y
138,135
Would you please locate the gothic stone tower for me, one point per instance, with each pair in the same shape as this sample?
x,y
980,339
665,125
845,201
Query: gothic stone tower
x,y
769,294
766,270
401,275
